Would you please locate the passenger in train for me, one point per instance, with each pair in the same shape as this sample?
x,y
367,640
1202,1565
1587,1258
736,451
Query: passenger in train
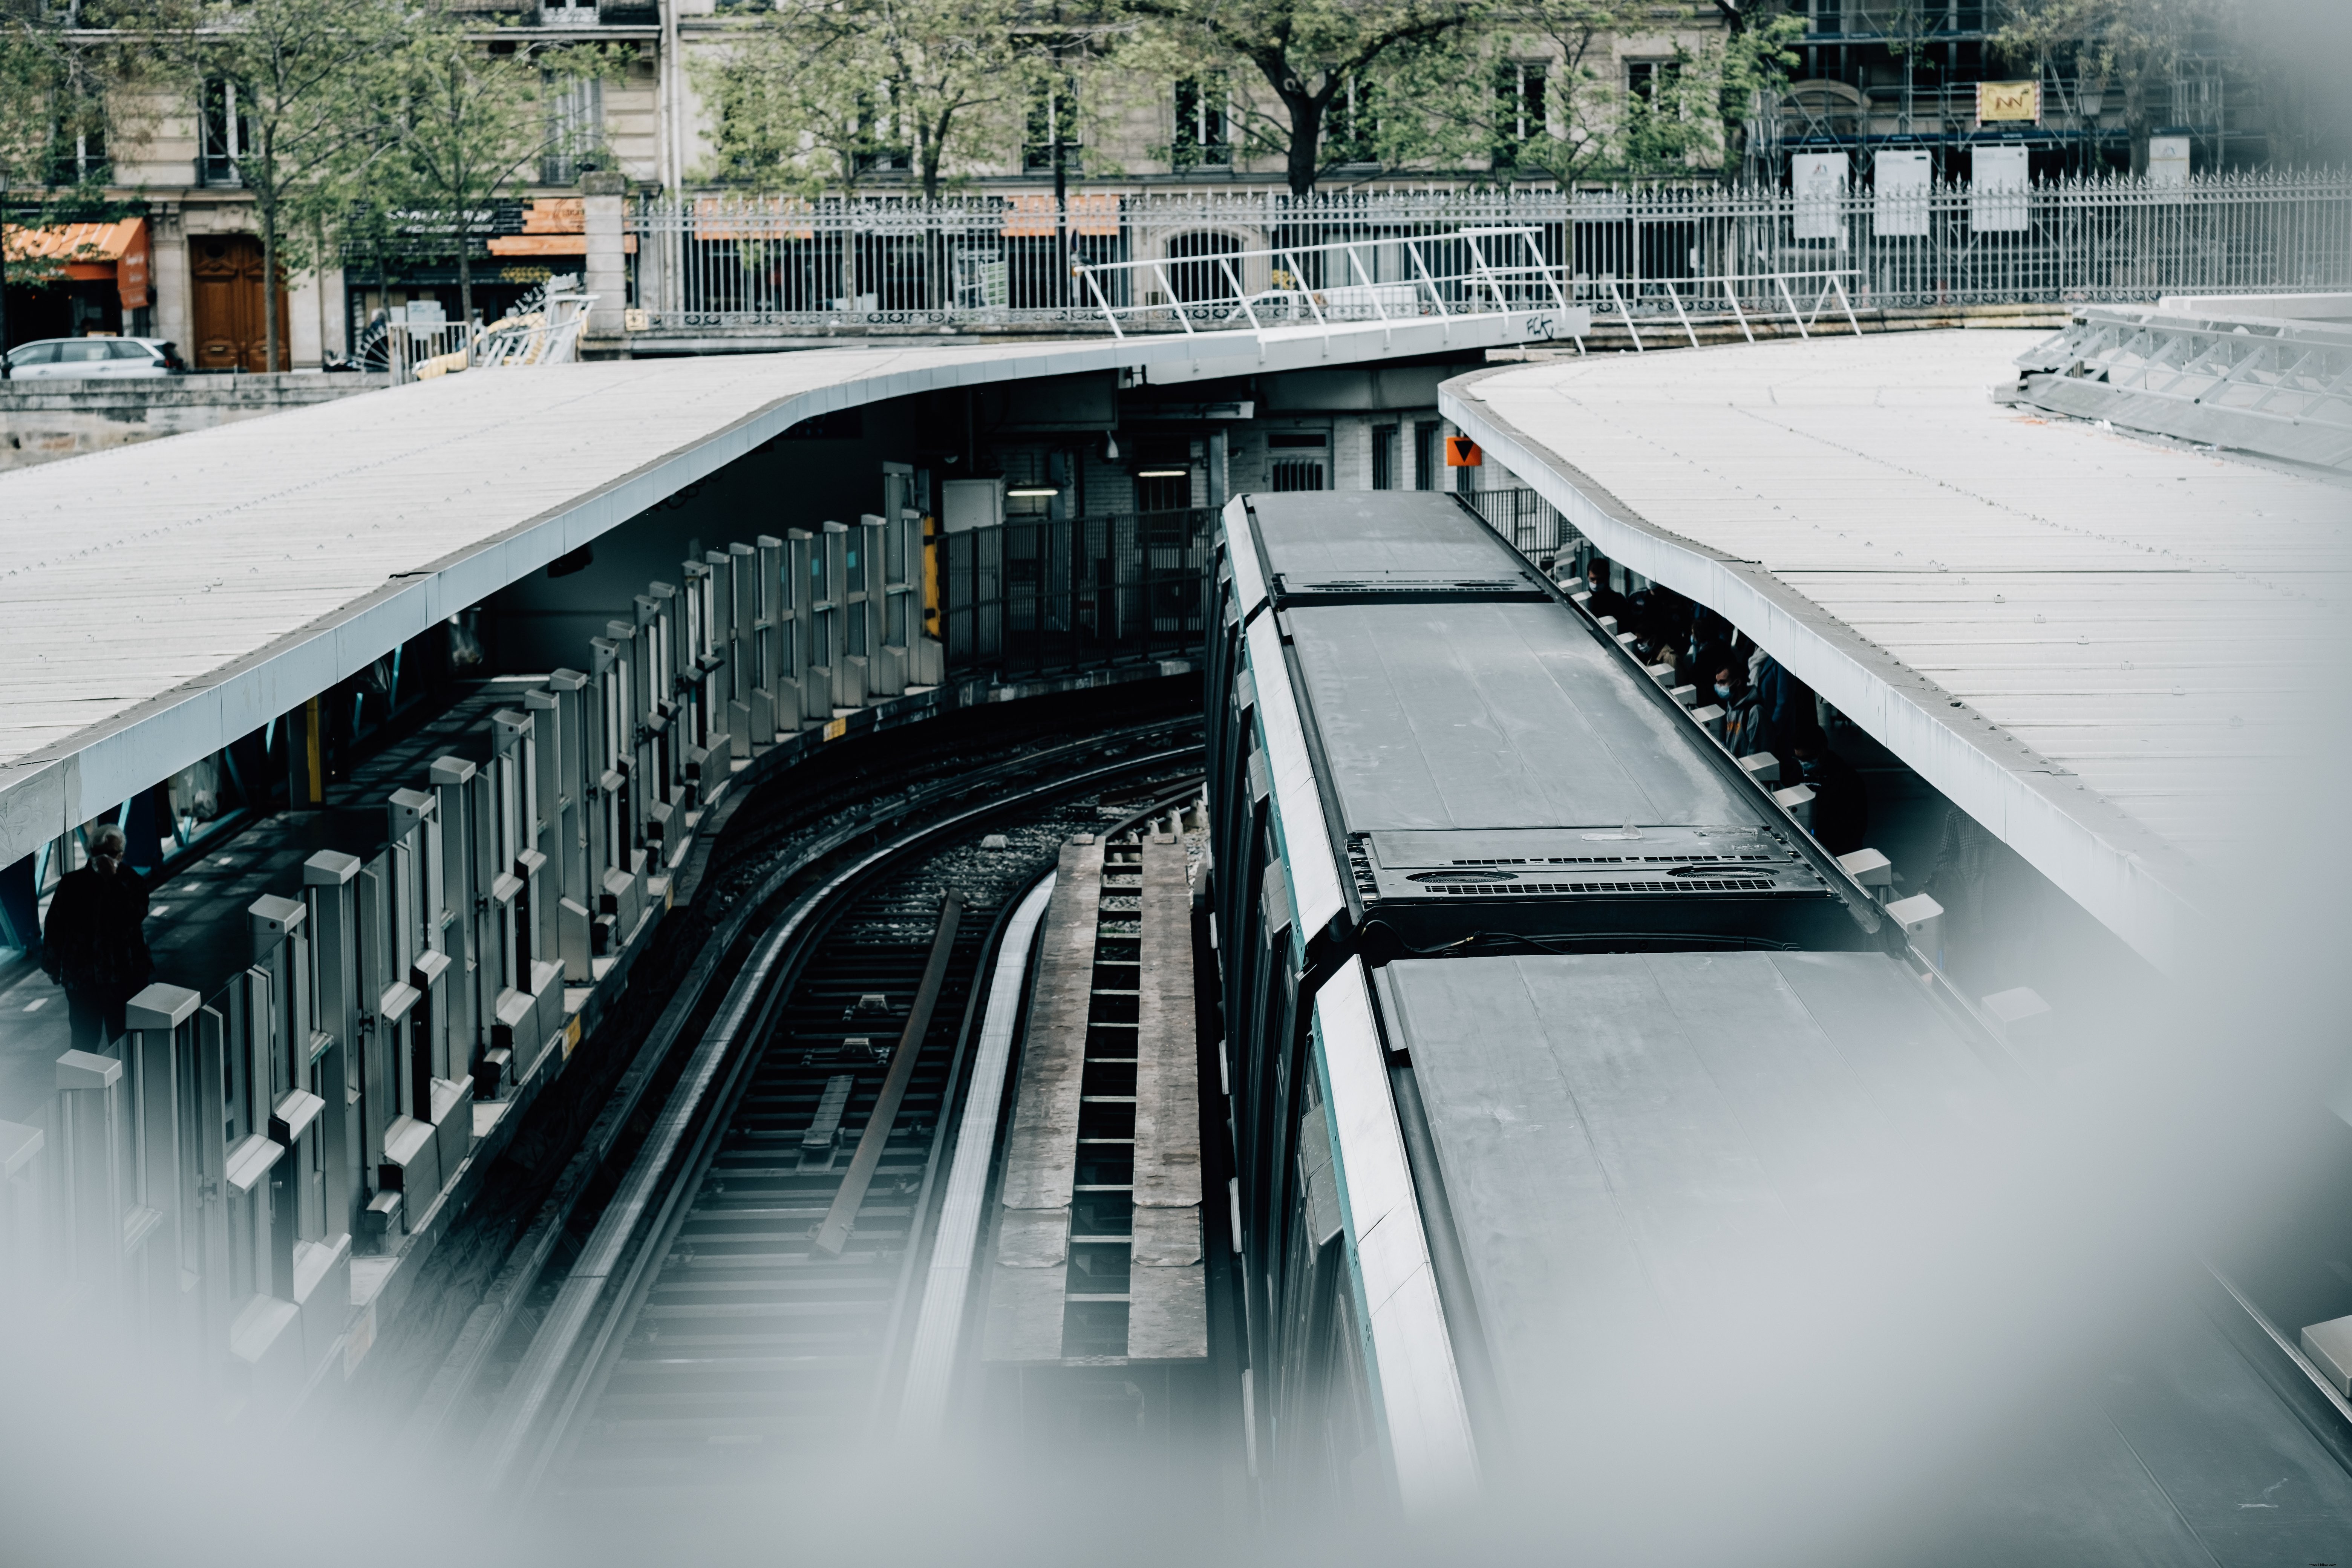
x,y
95,944
1605,600
1841,809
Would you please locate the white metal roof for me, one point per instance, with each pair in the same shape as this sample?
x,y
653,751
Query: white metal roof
x,y
2094,643
158,601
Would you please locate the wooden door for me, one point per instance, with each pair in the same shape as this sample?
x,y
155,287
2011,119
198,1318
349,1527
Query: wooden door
x,y
225,270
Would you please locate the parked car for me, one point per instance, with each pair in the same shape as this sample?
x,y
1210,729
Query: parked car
x,y
47,358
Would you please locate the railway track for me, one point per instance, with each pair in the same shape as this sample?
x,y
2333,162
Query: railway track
x,y
746,1292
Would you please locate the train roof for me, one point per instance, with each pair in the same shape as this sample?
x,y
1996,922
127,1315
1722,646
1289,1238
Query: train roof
x,y
1368,536
1680,1114
1636,1149
1452,689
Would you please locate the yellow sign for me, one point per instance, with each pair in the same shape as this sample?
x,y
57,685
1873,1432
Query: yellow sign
x,y
2008,100
571,1036
836,730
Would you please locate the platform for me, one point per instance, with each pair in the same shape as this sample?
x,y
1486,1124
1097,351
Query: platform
x,y
2098,645
165,599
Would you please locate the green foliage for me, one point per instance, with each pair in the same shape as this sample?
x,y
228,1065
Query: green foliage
x,y
2137,44
1681,115
1302,54
817,96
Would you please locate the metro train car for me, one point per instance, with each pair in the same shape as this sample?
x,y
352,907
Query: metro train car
x,y
1548,1032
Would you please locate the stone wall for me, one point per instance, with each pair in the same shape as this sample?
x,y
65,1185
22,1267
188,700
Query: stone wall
x,y
41,421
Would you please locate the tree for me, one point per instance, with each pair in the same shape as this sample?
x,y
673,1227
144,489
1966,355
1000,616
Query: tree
x,y
1306,52
292,76
2138,45
47,102
1540,92
816,95
472,125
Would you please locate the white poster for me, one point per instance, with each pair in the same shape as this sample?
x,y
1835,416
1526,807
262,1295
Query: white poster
x,y
1901,186
1997,190
1816,180
2168,160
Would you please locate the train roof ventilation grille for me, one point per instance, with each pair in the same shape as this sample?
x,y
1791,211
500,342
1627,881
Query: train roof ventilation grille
x,y
1680,885
1615,860
1426,590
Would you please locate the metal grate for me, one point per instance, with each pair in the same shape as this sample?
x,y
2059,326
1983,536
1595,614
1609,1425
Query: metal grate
x,y
1682,884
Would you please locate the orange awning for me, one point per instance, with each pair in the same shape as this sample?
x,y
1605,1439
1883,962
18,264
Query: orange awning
x,y
551,245
90,252
1032,218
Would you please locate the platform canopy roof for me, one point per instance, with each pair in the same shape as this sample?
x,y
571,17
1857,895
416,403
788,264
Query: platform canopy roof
x,y
2106,648
161,600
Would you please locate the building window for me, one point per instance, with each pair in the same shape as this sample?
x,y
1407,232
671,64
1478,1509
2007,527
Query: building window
x,y
227,134
1351,124
1053,122
1828,15
575,127
1385,453
1649,80
879,149
1518,109
567,13
1297,460
1425,465
78,156
1203,137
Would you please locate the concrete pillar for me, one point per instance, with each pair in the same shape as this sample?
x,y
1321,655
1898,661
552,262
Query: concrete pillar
x,y
603,193
167,273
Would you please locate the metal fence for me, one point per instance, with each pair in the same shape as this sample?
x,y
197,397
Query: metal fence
x,y
725,261
1526,522
1032,596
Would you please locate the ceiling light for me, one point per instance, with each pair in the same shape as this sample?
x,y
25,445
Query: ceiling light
x,y
1163,473
1032,492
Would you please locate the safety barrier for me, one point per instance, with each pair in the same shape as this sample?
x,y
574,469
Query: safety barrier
x,y
1032,596
731,261
208,1180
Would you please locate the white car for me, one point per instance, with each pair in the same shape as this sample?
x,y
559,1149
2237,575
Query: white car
x,y
48,359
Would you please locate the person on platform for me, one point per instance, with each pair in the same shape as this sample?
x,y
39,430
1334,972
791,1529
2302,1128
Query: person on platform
x,y
1743,715
95,944
1841,810
1605,600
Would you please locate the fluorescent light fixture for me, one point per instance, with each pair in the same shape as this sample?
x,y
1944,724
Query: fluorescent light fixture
x,y
1033,491
1163,473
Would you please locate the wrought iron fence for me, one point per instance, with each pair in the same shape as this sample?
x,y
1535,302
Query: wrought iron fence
x,y
735,262
1030,596
1527,522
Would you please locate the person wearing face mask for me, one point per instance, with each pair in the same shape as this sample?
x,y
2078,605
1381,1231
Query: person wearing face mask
x,y
1743,716
95,944
1841,810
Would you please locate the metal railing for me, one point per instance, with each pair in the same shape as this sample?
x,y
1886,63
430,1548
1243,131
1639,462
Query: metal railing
x,y
1526,521
1032,596
1472,271
729,262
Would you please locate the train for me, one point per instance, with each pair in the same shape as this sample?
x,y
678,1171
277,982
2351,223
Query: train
x,y
1543,1020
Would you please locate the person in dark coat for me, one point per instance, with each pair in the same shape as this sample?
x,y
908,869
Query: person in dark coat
x,y
1743,715
1788,707
95,944
1841,810
1605,600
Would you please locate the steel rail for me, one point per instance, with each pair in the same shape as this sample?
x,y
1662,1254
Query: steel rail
x,y
527,1259
541,1400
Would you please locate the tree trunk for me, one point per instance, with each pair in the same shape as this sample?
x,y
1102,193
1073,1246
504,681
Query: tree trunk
x,y
269,214
1306,141
465,280
4,287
